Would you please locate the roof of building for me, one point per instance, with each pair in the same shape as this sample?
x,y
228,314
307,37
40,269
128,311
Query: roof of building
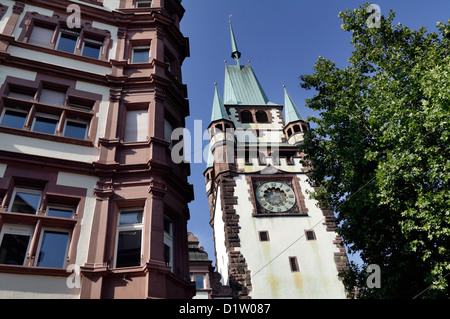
x,y
241,84
291,112
196,253
218,112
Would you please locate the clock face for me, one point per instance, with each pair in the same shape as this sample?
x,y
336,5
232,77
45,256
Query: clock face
x,y
275,196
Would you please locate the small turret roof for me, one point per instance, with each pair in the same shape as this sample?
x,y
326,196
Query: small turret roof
x,y
292,114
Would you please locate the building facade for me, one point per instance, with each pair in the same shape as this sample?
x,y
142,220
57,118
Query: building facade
x,y
91,204
207,281
271,240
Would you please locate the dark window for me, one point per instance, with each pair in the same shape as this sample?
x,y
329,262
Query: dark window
x,y
13,249
143,3
246,117
264,236
261,117
294,264
129,248
310,235
129,238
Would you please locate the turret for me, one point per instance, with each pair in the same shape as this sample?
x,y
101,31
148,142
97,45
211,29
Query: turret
x,y
295,126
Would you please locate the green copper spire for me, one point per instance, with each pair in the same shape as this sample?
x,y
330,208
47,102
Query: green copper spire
x,y
292,114
235,54
218,112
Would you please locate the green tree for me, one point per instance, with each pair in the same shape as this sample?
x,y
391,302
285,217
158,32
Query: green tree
x,y
380,153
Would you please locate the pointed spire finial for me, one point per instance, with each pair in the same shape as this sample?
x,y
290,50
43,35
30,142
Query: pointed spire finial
x,y
235,54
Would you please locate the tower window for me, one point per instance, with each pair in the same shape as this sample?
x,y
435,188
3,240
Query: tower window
x,y
310,235
263,236
294,264
261,117
246,117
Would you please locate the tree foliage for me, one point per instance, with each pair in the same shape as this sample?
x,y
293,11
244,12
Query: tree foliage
x,y
380,153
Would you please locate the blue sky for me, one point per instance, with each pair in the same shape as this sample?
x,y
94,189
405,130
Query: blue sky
x,y
282,39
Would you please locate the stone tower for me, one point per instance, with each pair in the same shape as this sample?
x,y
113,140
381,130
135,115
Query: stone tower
x,y
271,240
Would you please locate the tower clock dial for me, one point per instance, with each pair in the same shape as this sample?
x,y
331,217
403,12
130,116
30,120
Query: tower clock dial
x,y
275,197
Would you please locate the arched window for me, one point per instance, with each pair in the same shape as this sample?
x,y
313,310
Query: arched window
x,y
246,117
261,117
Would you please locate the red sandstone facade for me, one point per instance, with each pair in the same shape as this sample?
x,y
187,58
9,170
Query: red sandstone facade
x,y
85,165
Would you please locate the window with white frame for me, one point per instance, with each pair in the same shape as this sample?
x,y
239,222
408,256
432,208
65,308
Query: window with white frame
x,y
92,48
14,244
199,280
67,41
168,242
75,128
53,247
44,115
143,3
140,54
45,123
62,211
52,97
136,126
129,238
14,118
41,36
25,200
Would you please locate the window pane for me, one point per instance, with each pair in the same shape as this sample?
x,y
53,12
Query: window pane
x,y
53,249
136,126
41,36
143,3
199,281
21,95
45,125
52,97
14,119
91,49
67,42
141,55
131,217
167,225
60,212
13,249
26,203
129,248
75,130
167,254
